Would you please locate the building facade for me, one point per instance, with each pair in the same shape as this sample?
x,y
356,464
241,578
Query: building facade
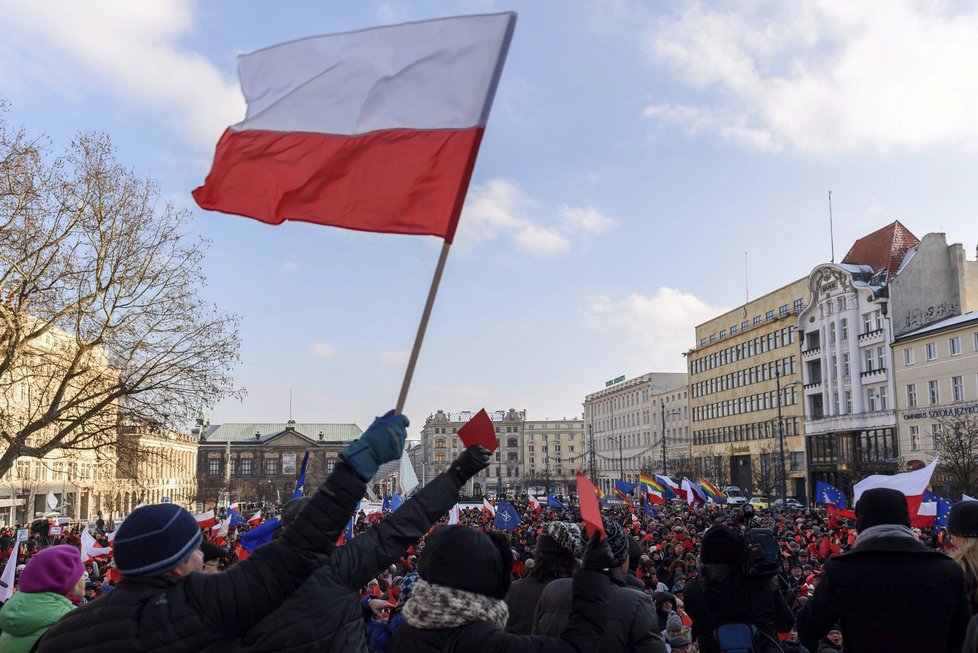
x,y
744,380
552,451
936,371
627,423
260,462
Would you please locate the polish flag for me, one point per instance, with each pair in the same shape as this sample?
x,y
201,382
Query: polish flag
x,y
534,503
375,130
255,519
206,519
91,549
220,529
694,495
654,497
912,484
488,508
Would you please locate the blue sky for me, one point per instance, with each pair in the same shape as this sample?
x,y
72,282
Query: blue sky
x,y
635,151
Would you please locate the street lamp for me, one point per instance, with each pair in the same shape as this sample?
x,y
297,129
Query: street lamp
x,y
662,410
782,474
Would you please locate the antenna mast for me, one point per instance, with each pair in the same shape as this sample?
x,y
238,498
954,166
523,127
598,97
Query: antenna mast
x,y
831,230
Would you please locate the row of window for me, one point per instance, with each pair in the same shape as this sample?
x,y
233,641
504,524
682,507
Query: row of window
x,y
934,391
744,405
935,430
873,446
930,349
759,345
798,307
744,432
745,377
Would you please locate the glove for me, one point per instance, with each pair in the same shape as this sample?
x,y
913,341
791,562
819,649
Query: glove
x,y
598,556
381,443
469,463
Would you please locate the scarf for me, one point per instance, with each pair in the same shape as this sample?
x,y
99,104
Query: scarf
x,y
884,530
437,606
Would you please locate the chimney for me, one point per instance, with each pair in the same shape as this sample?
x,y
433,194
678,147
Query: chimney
x,y
320,436
257,434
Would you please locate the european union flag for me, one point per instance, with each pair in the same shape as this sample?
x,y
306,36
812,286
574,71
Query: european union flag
x,y
236,518
554,503
649,510
825,493
348,531
301,482
260,534
396,501
506,516
943,508
625,487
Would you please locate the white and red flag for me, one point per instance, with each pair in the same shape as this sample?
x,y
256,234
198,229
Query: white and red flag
x,y
90,549
206,519
534,503
488,508
255,519
375,130
912,484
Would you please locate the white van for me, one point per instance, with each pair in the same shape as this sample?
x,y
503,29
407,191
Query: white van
x,y
735,496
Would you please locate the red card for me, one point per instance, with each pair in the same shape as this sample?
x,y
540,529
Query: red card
x,y
590,511
479,430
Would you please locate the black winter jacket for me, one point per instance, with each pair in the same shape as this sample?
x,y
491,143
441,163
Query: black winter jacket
x,y
324,614
722,595
522,601
583,634
210,612
890,594
632,622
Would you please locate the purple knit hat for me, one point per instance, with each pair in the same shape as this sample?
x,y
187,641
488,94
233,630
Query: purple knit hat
x,y
54,569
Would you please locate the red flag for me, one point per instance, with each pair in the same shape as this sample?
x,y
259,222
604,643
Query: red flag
x,y
832,511
479,430
375,130
590,511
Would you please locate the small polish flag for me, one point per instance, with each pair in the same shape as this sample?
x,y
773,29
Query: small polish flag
x,y
488,508
255,519
206,519
534,503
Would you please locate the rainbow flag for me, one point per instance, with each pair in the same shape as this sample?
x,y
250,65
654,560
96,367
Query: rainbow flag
x,y
712,491
599,493
623,496
649,483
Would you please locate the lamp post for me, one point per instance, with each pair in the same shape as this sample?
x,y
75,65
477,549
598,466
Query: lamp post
x,y
783,481
662,411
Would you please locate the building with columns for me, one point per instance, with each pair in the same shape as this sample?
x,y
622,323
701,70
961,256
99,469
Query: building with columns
x,y
626,422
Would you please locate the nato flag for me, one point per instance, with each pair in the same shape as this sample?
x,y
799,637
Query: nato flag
x,y
506,516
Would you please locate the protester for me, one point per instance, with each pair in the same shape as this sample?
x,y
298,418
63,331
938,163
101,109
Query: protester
x,y
51,584
962,526
381,638
832,642
890,593
330,595
724,593
554,557
213,557
632,621
457,605
161,605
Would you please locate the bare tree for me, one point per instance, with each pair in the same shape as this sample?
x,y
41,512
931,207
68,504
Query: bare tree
x,y
101,318
956,440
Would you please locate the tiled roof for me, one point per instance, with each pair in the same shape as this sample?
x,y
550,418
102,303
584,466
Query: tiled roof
x,y
240,432
883,249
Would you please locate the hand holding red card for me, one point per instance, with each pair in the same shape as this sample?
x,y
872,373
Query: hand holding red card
x,y
479,430
590,511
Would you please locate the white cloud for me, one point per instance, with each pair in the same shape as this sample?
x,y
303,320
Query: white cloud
x,y
392,357
498,207
128,50
322,350
824,77
661,325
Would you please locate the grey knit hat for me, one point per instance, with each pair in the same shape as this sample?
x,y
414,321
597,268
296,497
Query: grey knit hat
x,y
568,535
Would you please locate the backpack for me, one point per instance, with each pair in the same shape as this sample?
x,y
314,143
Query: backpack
x,y
736,638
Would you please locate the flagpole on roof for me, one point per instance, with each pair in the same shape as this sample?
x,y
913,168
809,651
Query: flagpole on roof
x,y
422,327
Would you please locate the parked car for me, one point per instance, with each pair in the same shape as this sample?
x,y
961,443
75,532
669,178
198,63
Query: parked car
x,y
735,496
793,503
760,501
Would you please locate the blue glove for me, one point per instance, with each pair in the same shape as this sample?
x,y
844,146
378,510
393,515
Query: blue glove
x,y
381,443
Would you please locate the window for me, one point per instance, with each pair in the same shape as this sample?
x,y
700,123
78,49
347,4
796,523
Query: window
x,y
871,399
954,346
439,457
869,360
931,349
911,395
713,337
214,466
845,364
757,320
935,430
914,438
246,467
933,392
832,332
799,305
733,329
884,398
702,342
957,388
881,358
848,402
783,310
723,333
746,325
769,316
908,356
844,325
271,466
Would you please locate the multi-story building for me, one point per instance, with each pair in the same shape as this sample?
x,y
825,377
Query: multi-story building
x,y
157,466
627,422
552,451
744,395
936,372
439,437
889,284
260,462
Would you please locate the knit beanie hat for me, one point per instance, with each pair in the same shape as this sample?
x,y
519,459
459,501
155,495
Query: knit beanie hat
x,y
466,559
881,506
723,545
407,586
55,569
962,520
674,622
155,539
566,535
618,542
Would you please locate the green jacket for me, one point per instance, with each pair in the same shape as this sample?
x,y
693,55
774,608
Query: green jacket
x,y
27,616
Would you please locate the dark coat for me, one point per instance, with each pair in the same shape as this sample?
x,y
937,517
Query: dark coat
x,y
583,634
324,614
210,612
721,595
522,601
632,621
890,594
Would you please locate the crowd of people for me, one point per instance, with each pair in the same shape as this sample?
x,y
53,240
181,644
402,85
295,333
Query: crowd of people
x,y
662,578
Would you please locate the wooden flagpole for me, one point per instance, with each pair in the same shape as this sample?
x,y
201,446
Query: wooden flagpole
x,y
419,338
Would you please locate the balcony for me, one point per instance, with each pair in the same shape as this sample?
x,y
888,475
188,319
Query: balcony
x,y
873,376
811,354
814,385
871,337
851,422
